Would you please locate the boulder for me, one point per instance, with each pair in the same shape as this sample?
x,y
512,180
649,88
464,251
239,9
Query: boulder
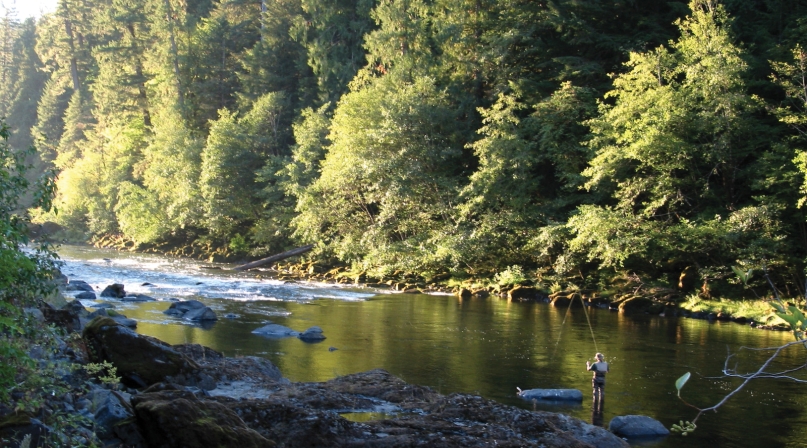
x,y
78,285
635,305
192,310
563,300
275,331
464,293
180,419
67,317
522,293
140,360
182,307
114,291
552,395
633,426
114,315
86,295
109,410
313,334
200,314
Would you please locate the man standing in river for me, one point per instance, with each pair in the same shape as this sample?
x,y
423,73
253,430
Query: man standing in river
x,y
600,368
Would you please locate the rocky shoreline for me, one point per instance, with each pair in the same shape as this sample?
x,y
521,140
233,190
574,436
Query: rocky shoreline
x,y
191,396
660,301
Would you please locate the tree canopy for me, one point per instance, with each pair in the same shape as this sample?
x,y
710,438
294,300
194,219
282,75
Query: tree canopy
x,y
573,139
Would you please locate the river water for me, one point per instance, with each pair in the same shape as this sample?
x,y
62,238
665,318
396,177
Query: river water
x,y
481,346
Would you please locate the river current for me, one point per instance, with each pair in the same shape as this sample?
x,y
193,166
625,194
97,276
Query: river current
x,y
481,346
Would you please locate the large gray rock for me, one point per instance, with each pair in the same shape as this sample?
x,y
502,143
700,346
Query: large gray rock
x,y
552,394
276,331
631,426
140,360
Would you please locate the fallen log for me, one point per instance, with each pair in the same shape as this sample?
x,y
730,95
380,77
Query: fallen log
x,y
278,257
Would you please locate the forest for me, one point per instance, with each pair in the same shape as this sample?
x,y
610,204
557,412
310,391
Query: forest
x,y
568,141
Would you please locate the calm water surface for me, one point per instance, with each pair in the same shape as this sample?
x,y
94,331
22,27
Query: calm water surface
x,y
481,346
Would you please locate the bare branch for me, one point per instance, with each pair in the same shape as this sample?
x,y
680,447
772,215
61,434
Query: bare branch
x,y
759,373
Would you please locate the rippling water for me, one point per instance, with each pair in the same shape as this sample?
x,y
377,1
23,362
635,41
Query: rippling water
x,y
486,347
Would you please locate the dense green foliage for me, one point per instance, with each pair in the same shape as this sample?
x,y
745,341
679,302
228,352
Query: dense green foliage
x,y
24,276
566,140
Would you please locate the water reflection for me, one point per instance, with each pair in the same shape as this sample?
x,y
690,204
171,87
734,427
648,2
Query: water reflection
x,y
490,346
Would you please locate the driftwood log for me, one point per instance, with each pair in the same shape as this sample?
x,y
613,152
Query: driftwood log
x,y
278,257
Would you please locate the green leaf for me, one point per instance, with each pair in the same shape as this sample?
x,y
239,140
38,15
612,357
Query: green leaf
x,y
778,307
789,318
679,383
797,313
740,274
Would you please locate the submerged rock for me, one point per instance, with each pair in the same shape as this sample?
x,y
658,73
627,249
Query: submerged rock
x,y
138,298
276,331
313,334
551,395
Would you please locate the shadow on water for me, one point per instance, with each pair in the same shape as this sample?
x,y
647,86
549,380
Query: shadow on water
x,y
489,347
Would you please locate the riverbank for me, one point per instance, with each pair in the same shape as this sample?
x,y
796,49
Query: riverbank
x,y
629,298
627,294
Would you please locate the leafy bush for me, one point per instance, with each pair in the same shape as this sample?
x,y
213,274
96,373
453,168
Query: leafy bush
x,y
513,275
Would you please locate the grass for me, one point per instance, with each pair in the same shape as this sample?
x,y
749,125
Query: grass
x,y
758,310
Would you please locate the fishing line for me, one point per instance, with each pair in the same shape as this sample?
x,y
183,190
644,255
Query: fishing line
x,y
562,324
590,328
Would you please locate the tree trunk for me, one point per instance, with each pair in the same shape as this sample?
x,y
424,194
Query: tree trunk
x,y
278,257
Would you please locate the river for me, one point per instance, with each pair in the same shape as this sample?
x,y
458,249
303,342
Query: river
x,y
481,346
